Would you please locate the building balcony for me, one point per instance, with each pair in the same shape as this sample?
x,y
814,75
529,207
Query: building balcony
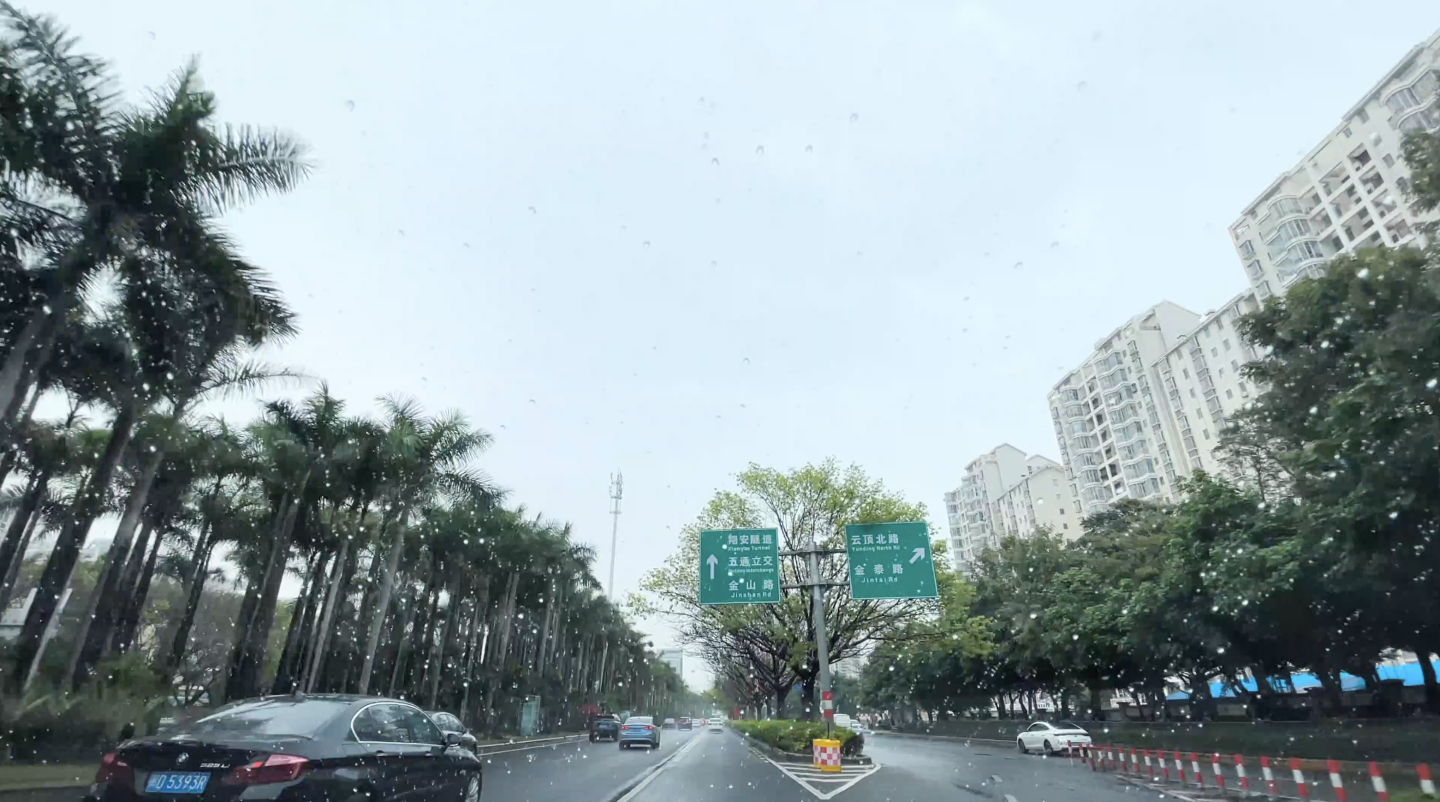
x,y
1129,433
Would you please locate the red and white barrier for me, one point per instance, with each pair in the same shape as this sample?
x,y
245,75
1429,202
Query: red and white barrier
x,y
1215,768
1268,775
1134,762
1427,785
1195,764
1378,783
1240,774
1149,767
1179,769
1300,786
1336,782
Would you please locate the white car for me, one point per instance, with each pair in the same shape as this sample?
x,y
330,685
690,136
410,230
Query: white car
x,y
1049,737
843,720
716,724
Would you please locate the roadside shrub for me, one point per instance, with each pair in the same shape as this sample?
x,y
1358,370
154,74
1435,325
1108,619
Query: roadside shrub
x,y
796,736
124,700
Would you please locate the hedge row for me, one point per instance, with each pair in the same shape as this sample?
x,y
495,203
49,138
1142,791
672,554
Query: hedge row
x,y
796,736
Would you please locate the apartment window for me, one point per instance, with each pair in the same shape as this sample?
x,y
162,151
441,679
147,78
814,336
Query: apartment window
x,y
1229,394
1220,323
1402,100
1066,526
1403,183
1243,389
1246,249
1205,433
1388,159
1185,371
1346,132
1214,351
1062,510
1192,393
1226,343
1221,372
1235,365
1363,116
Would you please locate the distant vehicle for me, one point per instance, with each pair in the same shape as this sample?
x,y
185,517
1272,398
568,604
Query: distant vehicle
x,y
605,725
1050,737
449,722
843,720
639,730
683,723
669,724
717,724
294,748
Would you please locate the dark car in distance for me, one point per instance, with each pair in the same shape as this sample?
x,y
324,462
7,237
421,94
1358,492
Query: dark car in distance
x,y
683,723
605,725
303,748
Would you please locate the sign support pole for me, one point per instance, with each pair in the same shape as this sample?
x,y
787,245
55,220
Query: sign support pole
x,y
822,642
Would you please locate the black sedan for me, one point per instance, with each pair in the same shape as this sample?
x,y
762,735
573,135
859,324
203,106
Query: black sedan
x,y
309,749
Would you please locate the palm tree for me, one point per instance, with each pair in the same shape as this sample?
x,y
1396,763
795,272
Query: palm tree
x,y
429,462
98,185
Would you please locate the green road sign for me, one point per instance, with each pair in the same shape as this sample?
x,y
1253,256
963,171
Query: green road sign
x,y
890,561
740,566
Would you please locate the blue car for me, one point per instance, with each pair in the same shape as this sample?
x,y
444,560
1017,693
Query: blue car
x,y
639,730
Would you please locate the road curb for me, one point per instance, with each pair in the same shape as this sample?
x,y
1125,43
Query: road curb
x,y
957,738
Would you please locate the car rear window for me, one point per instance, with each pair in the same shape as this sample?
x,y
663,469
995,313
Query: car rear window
x,y
1068,725
639,720
263,718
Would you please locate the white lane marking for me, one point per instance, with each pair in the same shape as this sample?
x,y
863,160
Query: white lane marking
x,y
664,764
800,776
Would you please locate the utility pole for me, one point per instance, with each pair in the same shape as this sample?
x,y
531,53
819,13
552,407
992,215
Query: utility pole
x,y
814,558
617,489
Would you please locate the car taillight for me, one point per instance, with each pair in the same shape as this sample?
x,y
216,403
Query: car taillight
x,y
273,769
112,769
648,728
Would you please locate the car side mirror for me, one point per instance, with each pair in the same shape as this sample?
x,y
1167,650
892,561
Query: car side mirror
x,y
467,740
454,739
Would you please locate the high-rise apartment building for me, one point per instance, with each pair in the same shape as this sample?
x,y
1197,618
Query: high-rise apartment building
x,y
1116,435
1202,386
1349,192
676,659
1006,492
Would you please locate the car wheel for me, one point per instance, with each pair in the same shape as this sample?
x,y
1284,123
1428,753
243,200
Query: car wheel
x,y
1019,744
657,744
472,790
1049,750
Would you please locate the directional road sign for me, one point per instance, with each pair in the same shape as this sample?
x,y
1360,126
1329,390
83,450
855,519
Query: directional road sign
x,y
740,566
890,561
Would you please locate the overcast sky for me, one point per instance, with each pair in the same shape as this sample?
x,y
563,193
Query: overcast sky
x,y
674,237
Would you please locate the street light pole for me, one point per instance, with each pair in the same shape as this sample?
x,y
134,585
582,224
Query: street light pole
x,y
617,489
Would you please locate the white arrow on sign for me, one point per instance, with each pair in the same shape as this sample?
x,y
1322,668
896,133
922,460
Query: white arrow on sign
x,y
712,562
918,555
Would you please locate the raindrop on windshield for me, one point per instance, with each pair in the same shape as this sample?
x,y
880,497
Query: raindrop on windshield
x,y
854,118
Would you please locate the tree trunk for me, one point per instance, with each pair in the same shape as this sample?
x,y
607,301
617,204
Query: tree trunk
x,y
199,572
68,544
425,628
97,618
296,633
12,577
12,373
129,625
10,547
402,644
452,609
12,453
482,601
130,579
332,599
387,586
248,660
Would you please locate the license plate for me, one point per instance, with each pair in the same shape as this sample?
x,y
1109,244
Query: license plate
x,y
177,782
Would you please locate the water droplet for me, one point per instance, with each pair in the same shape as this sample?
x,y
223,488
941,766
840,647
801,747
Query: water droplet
x,y
1054,245
1080,87
714,263
532,210
715,161
1430,385
1364,272
48,310
1034,616
809,148
646,243
854,118
1019,265
759,150
349,105
746,360
532,400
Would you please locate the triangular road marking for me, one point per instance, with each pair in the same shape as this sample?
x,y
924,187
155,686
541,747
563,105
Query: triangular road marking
x,y
805,775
